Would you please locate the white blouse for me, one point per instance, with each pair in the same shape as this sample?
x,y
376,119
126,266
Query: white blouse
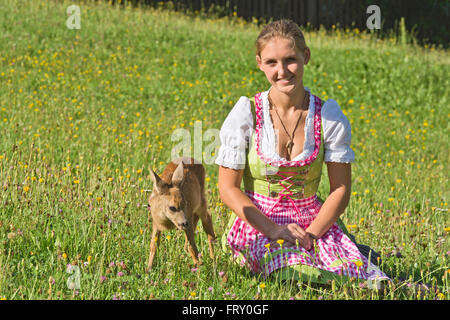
x,y
238,127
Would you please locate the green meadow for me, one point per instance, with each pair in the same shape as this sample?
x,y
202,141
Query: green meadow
x,y
85,113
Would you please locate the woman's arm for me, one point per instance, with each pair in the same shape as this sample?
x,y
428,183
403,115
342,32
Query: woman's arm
x,y
243,207
340,176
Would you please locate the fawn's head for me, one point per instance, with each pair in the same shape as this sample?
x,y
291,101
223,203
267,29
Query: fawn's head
x,y
167,198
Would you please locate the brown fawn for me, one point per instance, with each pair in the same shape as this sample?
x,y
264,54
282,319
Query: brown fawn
x,y
178,201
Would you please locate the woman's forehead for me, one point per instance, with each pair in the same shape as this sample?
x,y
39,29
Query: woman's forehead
x,y
279,46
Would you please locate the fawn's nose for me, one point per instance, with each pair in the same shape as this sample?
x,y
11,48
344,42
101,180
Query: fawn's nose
x,y
184,225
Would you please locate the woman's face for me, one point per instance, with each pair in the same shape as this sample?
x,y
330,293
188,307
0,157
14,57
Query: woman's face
x,y
282,64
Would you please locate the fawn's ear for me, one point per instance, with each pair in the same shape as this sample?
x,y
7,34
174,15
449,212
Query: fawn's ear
x,y
157,181
178,174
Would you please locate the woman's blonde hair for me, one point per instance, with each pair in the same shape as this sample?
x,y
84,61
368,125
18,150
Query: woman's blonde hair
x,y
283,29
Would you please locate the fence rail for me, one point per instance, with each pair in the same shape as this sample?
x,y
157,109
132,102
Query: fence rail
x,y
427,18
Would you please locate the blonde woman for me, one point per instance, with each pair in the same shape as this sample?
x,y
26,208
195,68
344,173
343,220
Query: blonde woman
x,y
276,143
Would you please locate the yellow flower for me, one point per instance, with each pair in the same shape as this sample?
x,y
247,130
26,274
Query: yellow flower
x,y
64,255
26,188
262,285
358,263
193,294
351,101
280,242
76,181
89,259
267,245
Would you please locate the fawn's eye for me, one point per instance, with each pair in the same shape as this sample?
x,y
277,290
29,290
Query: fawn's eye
x,y
173,209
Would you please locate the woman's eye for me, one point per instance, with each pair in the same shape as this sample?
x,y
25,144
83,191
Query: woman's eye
x,y
173,209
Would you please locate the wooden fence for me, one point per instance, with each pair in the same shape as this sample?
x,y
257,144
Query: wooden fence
x,y
427,18
314,12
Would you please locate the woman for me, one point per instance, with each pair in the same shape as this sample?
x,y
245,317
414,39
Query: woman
x,y
276,143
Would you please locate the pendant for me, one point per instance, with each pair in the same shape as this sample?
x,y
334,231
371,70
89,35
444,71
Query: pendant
x,y
289,146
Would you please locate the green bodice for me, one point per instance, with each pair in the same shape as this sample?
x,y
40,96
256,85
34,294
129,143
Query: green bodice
x,y
296,179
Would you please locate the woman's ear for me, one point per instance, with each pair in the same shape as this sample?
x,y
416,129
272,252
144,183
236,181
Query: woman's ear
x,y
258,61
306,55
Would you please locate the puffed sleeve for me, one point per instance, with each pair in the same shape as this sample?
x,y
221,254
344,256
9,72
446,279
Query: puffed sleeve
x,y
337,134
234,135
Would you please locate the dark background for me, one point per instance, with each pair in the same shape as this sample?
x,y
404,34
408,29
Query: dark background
x,y
426,20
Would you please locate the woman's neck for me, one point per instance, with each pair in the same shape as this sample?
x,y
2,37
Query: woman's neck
x,y
285,102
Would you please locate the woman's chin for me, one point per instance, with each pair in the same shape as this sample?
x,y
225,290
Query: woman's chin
x,y
286,88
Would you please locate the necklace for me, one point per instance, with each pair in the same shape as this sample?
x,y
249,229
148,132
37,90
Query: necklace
x,y
290,143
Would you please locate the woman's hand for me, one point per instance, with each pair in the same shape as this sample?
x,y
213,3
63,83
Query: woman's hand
x,y
292,234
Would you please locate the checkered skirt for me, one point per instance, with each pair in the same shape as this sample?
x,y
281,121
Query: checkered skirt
x,y
334,251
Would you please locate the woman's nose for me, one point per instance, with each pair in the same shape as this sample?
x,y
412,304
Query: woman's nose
x,y
283,69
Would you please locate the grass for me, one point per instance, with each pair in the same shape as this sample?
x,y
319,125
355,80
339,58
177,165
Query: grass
x,y
85,113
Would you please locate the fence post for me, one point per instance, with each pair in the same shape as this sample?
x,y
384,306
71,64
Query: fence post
x,y
311,12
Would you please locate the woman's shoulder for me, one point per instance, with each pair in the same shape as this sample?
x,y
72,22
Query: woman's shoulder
x,y
241,109
331,110
240,115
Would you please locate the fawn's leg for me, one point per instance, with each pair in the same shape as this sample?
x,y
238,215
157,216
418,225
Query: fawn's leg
x,y
189,236
153,247
208,227
193,222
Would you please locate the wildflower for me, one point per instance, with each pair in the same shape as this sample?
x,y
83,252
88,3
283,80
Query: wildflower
x,y
194,269
102,279
280,242
358,263
221,274
64,255
267,245
120,274
26,188
193,294
262,285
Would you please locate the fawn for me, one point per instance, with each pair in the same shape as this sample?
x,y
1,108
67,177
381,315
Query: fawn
x,y
178,200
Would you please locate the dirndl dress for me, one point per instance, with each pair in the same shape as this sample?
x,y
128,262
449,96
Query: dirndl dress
x,y
285,191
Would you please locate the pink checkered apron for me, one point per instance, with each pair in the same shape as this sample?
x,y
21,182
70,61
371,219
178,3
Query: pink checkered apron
x,y
334,252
